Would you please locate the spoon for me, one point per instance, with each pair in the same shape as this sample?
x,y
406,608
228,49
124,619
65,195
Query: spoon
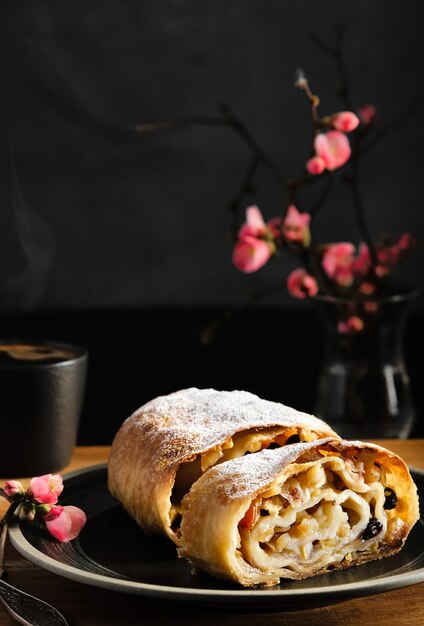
x,y
23,607
27,609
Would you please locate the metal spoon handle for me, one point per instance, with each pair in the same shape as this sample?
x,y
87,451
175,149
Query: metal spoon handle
x,y
27,609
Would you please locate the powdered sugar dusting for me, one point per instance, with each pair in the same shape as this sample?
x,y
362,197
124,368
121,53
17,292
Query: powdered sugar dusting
x,y
246,475
191,421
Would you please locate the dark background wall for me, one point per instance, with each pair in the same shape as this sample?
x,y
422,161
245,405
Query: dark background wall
x,y
96,220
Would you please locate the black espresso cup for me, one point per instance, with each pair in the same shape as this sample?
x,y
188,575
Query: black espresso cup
x,y
41,393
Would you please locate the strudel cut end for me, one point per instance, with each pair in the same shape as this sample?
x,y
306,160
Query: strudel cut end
x,y
298,511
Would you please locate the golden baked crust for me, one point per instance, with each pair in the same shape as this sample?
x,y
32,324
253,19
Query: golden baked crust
x,y
190,430
298,511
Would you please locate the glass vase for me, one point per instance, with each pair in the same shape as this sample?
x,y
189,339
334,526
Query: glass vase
x,y
363,386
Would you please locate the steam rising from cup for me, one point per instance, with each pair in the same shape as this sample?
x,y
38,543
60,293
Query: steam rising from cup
x,y
23,291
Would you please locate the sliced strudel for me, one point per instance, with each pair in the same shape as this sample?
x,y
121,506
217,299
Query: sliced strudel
x,y
298,511
165,446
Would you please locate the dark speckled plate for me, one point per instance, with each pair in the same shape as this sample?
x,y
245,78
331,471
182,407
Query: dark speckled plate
x,y
112,552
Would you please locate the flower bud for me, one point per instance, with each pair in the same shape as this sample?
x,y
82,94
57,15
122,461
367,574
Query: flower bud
x,y
367,114
27,512
13,488
300,80
367,288
295,226
353,324
345,121
315,165
301,285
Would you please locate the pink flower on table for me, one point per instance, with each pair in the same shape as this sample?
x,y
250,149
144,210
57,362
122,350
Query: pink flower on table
x,y
338,263
255,243
345,121
13,488
367,114
302,285
46,489
333,148
296,226
65,522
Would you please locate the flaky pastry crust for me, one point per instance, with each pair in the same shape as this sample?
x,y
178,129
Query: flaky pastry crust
x,y
196,427
298,511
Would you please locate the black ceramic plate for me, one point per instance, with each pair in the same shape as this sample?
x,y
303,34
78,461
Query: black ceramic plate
x,y
113,552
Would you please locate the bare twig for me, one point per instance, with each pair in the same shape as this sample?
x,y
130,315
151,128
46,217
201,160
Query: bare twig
x,y
4,524
344,89
391,126
354,179
3,536
360,214
178,122
314,101
227,119
208,332
324,194
246,188
322,45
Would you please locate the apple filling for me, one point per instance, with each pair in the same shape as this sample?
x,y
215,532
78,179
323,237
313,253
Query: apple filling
x,y
332,511
244,442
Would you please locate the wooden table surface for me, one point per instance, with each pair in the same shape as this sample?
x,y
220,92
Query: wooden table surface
x,y
83,605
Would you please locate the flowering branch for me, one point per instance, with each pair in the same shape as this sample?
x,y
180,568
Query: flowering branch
x,y
339,269
330,268
40,501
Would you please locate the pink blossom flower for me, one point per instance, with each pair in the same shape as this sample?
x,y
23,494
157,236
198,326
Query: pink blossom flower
x,y
406,242
13,488
382,270
296,226
255,243
338,263
366,289
389,256
353,324
362,263
254,225
367,114
250,254
46,489
315,165
345,121
333,147
65,522
301,285
371,306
